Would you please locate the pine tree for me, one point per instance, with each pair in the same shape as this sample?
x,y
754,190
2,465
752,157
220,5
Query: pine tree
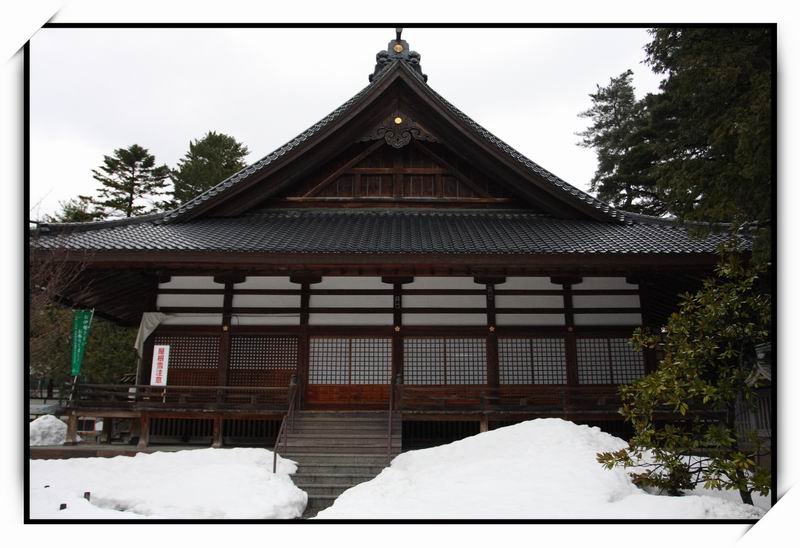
x,y
625,157
209,161
76,210
130,180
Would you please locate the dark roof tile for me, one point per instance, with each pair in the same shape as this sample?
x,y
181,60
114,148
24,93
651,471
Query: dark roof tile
x,y
386,231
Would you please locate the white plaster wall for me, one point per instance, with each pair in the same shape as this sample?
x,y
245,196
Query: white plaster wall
x,y
529,301
446,282
266,301
351,282
608,319
267,282
191,282
193,319
444,319
605,301
530,319
350,319
445,301
605,283
528,283
189,300
264,319
347,301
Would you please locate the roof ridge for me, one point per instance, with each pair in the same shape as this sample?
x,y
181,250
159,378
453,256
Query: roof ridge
x,y
278,152
524,160
45,227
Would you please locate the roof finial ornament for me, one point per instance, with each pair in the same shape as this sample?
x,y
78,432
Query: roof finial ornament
x,y
397,50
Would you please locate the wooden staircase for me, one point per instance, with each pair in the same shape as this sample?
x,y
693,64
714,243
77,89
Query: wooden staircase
x,y
336,450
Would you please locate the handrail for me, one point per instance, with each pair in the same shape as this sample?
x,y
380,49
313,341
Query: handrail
x,y
289,416
130,395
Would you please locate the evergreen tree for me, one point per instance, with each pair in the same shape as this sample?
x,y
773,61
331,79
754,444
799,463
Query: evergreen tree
x,y
625,158
129,178
708,367
712,122
701,148
209,161
76,210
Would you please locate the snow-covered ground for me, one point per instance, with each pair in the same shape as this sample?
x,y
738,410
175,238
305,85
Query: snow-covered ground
x,y
47,430
544,468
235,483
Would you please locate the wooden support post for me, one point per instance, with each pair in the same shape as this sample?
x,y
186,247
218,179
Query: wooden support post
x,y
105,436
144,431
303,344
72,429
484,423
397,336
649,355
571,344
225,338
216,435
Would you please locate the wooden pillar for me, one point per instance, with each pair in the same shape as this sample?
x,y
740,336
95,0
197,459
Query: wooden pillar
x,y
225,336
72,429
492,347
105,436
570,342
216,433
397,321
144,431
306,280
645,285
484,423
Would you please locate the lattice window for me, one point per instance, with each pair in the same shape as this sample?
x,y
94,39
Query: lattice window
x,y
350,360
608,361
532,361
193,360
627,363
262,360
444,361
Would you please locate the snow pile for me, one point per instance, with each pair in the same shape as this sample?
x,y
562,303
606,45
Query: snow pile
x,y
47,430
544,468
233,483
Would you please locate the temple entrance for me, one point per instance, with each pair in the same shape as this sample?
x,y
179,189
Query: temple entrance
x,y
349,372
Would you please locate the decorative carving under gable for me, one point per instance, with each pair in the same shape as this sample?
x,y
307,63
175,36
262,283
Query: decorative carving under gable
x,y
398,130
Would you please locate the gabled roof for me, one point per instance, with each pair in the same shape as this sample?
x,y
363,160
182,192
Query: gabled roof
x,y
391,67
597,229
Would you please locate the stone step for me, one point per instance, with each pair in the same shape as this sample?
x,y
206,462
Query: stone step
x,y
334,490
324,437
327,457
310,441
345,470
330,478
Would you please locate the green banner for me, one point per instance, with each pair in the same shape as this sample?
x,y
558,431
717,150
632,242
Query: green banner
x,y
81,323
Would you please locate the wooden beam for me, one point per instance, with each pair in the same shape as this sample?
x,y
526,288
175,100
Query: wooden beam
x,y
337,173
461,176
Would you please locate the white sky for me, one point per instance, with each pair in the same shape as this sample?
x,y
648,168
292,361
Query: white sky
x,y
94,90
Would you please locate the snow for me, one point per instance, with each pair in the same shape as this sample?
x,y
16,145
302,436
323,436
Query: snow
x,y
235,483
47,430
539,469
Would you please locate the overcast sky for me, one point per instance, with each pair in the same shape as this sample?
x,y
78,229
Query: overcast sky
x,y
94,90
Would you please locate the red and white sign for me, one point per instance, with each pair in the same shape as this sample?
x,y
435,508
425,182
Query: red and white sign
x,y
158,373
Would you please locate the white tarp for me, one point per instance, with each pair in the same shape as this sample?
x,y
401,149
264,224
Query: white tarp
x,y
150,321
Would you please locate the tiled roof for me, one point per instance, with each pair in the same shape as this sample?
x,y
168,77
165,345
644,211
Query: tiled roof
x,y
390,231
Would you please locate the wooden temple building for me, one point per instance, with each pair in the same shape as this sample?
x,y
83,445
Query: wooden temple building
x,y
396,261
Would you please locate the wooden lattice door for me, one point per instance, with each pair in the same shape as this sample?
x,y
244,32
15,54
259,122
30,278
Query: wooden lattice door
x,y
349,372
